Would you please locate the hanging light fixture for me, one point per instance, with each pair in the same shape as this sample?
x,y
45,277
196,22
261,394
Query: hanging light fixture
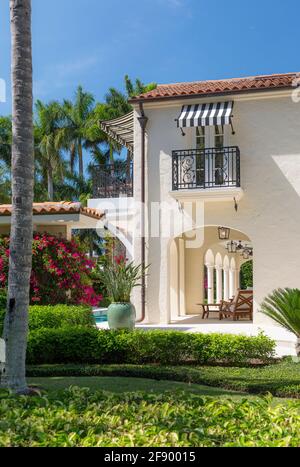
x,y
247,252
224,233
232,247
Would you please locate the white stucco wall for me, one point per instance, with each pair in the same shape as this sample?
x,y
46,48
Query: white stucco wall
x,y
268,134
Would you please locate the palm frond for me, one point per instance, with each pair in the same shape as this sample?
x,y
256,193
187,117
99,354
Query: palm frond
x,y
283,306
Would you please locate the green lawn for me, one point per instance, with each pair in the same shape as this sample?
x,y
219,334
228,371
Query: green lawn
x,y
120,385
281,380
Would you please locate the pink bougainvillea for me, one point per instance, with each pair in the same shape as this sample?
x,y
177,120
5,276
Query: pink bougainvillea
x,y
61,272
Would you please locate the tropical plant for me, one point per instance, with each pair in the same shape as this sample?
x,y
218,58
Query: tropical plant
x,y
283,306
61,272
74,188
247,275
50,140
119,279
16,327
77,116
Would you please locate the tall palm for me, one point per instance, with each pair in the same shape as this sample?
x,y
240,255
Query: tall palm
x,y
77,116
20,262
50,140
283,306
75,188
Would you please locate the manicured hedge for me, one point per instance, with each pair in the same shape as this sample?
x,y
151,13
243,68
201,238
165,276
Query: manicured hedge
x,y
89,345
82,418
280,379
56,316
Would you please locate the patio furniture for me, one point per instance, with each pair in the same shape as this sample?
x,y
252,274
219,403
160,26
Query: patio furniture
x,y
213,308
240,307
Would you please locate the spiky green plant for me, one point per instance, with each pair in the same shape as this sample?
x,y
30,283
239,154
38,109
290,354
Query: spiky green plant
x,y
120,278
283,306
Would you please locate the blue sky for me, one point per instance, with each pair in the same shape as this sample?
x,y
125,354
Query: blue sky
x,y
96,42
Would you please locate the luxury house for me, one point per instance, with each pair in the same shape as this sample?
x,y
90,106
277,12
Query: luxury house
x,y
215,182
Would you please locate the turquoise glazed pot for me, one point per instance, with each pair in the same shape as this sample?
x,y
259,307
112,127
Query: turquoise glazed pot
x,y
121,316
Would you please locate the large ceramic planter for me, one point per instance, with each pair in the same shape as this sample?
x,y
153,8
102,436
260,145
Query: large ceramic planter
x,y
121,316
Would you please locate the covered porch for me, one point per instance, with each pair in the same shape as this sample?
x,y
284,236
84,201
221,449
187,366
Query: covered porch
x,y
209,274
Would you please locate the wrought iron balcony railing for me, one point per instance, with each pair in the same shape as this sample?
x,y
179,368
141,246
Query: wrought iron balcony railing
x,y
112,181
207,168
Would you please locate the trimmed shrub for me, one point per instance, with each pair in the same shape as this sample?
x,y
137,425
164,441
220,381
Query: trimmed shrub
x,y
69,344
59,316
56,316
79,344
236,349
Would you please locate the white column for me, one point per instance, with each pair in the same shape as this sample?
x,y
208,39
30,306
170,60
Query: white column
x,y
219,283
182,301
210,283
238,279
226,284
232,283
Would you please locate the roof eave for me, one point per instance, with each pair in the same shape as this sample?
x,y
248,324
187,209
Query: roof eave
x,y
207,94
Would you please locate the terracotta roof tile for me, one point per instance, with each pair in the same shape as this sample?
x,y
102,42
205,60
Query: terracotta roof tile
x,y
215,87
63,207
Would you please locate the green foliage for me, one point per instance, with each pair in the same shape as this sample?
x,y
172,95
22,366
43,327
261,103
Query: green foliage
x,y
82,418
283,306
56,317
280,379
119,279
247,275
68,345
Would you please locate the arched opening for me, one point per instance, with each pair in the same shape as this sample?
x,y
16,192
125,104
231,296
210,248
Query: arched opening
x,y
214,271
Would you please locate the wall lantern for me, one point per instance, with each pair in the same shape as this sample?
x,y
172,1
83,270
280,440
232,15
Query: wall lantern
x,y
224,233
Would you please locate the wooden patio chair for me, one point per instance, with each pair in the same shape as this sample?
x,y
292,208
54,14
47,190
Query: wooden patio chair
x,y
240,307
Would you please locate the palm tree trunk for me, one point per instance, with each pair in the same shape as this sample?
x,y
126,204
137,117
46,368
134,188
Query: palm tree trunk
x,y
16,321
80,159
50,183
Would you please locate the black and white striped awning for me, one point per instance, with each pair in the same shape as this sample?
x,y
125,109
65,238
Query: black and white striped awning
x,y
120,130
219,113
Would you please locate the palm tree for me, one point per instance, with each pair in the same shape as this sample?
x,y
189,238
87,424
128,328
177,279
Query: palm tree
x,y
16,321
50,140
75,188
283,306
77,116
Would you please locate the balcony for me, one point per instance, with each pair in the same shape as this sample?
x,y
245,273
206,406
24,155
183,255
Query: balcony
x,y
212,173
112,181
207,168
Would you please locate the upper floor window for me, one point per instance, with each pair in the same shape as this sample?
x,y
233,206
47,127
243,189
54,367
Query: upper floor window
x,y
219,137
200,138
211,137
